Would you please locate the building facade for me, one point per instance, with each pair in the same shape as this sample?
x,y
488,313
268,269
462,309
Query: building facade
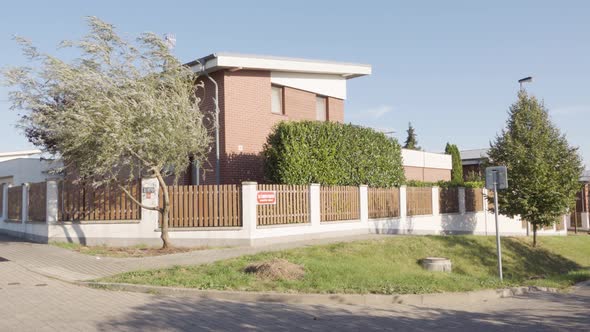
x,y
255,93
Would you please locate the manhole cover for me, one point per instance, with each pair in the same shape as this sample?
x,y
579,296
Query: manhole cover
x,y
2,259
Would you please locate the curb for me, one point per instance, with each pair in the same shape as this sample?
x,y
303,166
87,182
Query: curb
x,y
350,299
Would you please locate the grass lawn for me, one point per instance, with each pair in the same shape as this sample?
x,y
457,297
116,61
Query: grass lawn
x,y
121,252
390,266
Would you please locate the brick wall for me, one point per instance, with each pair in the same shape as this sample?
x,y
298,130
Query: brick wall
x,y
299,104
335,109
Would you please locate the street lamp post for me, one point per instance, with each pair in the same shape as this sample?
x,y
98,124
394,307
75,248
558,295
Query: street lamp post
x,y
521,81
527,79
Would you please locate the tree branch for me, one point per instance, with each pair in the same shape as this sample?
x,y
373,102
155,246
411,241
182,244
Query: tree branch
x,y
152,208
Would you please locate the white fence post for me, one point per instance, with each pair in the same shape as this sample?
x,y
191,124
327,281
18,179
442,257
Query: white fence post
x,y
51,204
403,209
435,201
314,204
249,214
4,202
364,203
25,203
461,193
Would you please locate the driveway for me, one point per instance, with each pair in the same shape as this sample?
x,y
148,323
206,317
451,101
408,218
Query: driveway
x,y
34,302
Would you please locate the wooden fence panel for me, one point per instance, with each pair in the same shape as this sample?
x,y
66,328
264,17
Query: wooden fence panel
x,y
339,203
15,202
560,224
473,199
383,202
204,206
419,201
292,205
448,199
79,202
37,201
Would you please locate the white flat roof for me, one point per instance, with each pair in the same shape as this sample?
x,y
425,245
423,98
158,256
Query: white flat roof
x,y
19,153
223,60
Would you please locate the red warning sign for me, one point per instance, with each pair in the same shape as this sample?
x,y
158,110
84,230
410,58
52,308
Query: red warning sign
x,y
266,197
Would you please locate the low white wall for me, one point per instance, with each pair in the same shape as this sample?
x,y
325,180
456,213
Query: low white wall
x,y
146,230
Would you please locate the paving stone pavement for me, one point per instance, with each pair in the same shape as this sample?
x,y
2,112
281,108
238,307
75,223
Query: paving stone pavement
x,y
34,302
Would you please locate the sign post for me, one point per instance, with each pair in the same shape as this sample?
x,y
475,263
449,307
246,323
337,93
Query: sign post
x,y
497,178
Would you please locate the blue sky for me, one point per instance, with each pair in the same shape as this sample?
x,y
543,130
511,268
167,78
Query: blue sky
x,y
449,67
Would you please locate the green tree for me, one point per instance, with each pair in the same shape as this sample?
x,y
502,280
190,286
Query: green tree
x,y
457,171
543,169
411,140
332,154
119,110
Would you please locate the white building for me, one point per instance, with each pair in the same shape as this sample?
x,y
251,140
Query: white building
x,y
24,166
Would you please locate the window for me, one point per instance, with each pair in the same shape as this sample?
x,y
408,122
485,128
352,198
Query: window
x,y
277,100
321,112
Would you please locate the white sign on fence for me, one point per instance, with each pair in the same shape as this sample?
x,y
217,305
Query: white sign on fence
x,y
266,197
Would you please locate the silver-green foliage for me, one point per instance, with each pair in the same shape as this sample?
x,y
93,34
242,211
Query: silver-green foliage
x,y
121,108
119,105
543,169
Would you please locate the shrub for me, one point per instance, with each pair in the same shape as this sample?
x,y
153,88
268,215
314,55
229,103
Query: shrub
x,y
331,154
445,184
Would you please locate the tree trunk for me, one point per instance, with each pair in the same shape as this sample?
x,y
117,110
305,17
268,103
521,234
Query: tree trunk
x,y
534,235
164,211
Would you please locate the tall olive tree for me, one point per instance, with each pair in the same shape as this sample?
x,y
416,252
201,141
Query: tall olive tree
x,y
121,109
543,169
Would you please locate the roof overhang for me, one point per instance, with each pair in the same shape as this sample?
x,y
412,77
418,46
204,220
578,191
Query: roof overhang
x,y
219,61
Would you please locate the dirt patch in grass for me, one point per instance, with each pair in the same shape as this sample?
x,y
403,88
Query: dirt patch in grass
x,y
276,269
122,252
132,252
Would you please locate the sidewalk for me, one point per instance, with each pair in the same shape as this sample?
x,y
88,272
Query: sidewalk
x,y
69,265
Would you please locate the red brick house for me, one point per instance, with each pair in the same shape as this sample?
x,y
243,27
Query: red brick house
x,y
256,92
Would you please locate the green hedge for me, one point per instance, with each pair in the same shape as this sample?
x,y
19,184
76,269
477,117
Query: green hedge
x,y
445,184
332,154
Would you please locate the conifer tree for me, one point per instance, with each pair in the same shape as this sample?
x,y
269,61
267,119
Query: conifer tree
x,y
411,141
457,171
